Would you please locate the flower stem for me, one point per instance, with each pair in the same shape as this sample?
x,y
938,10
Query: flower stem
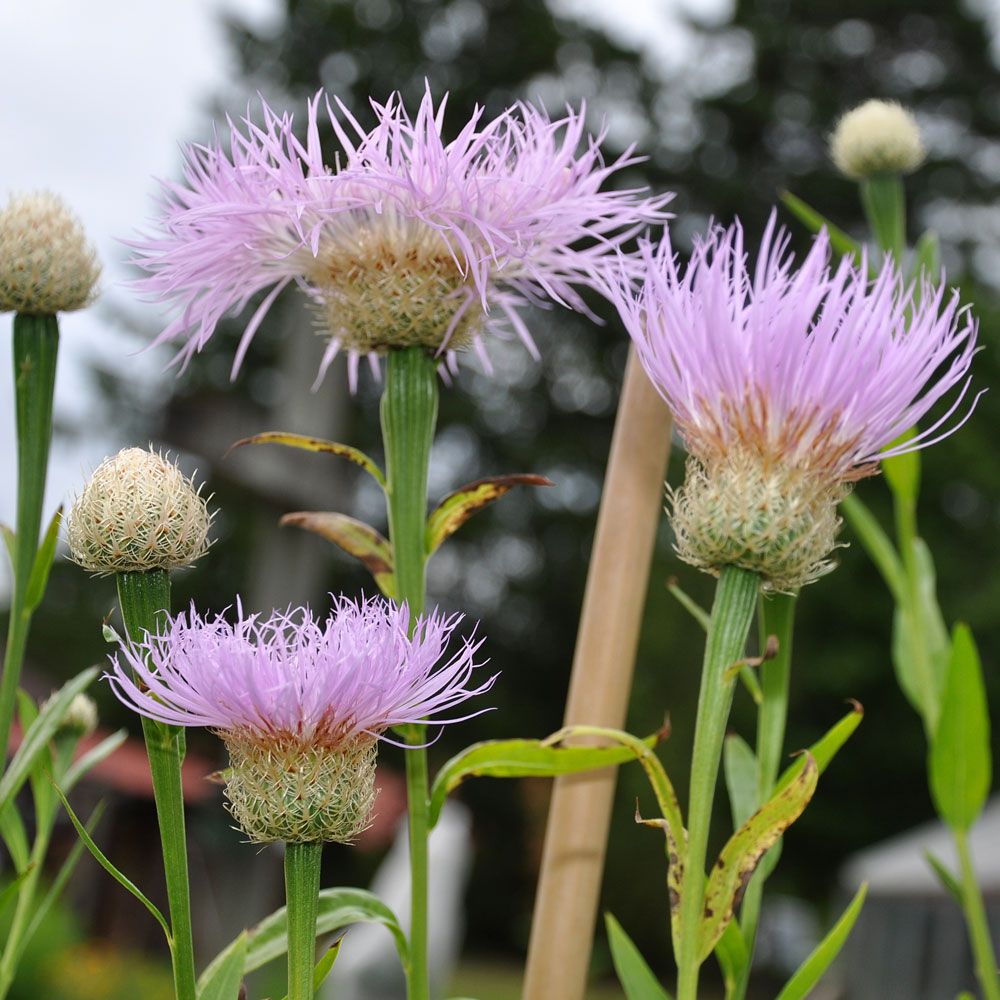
x,y
302,868
975,917
777,618
36,346
885,206
143,597
732,614
409,416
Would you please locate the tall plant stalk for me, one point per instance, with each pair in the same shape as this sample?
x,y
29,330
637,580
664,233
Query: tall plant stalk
x,y
302,871
732,615
143,597
36,347
409,417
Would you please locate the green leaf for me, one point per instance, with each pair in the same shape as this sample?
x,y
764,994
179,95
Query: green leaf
x,y
927,257
733,955
814,967
456,508
739,858
92,758
902,472
121,878
740,767
227,977
10,890
634,974
960,759
15,836
37,736
324,966
318,445
62,876
689,604
356,538
826,748
521,758
9,541
945,877
876,543
338,908
840,242
43,564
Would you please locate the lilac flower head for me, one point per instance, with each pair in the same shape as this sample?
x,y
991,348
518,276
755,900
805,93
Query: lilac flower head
x,y
300,703
411,239
787,385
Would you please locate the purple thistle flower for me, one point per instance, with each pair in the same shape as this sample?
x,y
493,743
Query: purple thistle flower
x,y
787,385
293,676
410,240
300,703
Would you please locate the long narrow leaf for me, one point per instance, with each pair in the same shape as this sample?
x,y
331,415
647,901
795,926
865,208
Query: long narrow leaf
x,y
121,878
814,967
92,758
634,974
43,564
825,749
347,451
338,908
876,543
227,977
36,739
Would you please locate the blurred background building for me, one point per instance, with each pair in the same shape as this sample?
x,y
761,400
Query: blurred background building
x,y
732,104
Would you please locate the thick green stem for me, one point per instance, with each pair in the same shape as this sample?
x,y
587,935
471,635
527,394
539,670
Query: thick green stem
x,y
732,614
975,918
143,598
302,868
885,205
36,346
409,416
777,618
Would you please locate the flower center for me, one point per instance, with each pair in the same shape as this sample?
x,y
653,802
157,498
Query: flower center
x,y
382,282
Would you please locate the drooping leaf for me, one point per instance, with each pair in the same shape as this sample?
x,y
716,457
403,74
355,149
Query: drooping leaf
x,y
120,877
634,974
36,738
960,758
826,747
814,967
902,472
356,538
522,758
741,773
732,954
306,443
840,242
456,508
876,543
948,881
676,865
66,869
338,908
739,858
227,977
15,836
42,565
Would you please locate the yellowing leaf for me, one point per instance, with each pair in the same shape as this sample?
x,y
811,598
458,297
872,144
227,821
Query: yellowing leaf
x,y
456,508
352,454
356,538
739,858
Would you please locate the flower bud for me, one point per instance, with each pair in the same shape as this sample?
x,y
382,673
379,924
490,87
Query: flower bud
x,y
284,790
877,137
778,521
81,717
47,265
138,512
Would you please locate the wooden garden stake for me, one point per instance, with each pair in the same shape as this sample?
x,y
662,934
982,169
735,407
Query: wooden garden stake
x,y
600,684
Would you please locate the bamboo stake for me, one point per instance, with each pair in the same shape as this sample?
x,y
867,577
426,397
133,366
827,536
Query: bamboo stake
x,y
601,681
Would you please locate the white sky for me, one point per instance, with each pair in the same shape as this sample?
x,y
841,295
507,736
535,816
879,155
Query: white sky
x,y
96,96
